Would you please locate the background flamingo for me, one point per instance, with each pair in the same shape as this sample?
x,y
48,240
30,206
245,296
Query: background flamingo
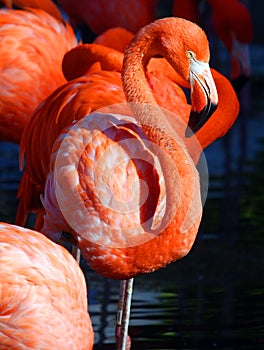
x,y
232,23
103,14
30,64
43,294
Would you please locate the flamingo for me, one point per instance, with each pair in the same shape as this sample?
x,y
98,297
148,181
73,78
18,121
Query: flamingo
x,y
101,15
30,64
233,25
43,294
164,227
188,9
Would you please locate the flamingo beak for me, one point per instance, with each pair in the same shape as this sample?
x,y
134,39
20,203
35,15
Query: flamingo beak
x,y
203,95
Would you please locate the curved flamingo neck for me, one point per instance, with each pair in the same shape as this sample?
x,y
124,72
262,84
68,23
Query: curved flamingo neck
x,y
145,45
82,59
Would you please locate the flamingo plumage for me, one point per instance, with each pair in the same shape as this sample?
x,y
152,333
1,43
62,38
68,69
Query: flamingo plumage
x,y
142,238
43,294
30,64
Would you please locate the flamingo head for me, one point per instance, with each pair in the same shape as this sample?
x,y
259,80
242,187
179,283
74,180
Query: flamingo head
x,y
185,46
203,94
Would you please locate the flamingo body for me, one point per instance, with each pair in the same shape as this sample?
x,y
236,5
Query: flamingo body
x,y
118,223
43,294
30,64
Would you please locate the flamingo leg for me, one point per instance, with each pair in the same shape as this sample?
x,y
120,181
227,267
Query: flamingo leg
x,y
76,253
123,314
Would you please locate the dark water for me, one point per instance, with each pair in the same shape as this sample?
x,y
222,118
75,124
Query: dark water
x,y
213,298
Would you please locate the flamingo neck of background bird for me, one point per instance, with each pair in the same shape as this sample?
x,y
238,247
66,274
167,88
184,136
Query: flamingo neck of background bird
x,y
82,59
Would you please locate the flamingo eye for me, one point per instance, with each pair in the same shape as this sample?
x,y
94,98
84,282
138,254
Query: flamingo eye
x,y
190,54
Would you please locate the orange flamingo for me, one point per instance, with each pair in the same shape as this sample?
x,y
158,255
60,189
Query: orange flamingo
x,y
30,64
233,25
43,294
101,15
142,238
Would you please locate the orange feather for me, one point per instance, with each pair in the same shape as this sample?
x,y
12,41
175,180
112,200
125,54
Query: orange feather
x,y
30,64
43,294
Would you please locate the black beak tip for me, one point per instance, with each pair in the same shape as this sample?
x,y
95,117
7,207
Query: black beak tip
x,y
193,124
198,119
